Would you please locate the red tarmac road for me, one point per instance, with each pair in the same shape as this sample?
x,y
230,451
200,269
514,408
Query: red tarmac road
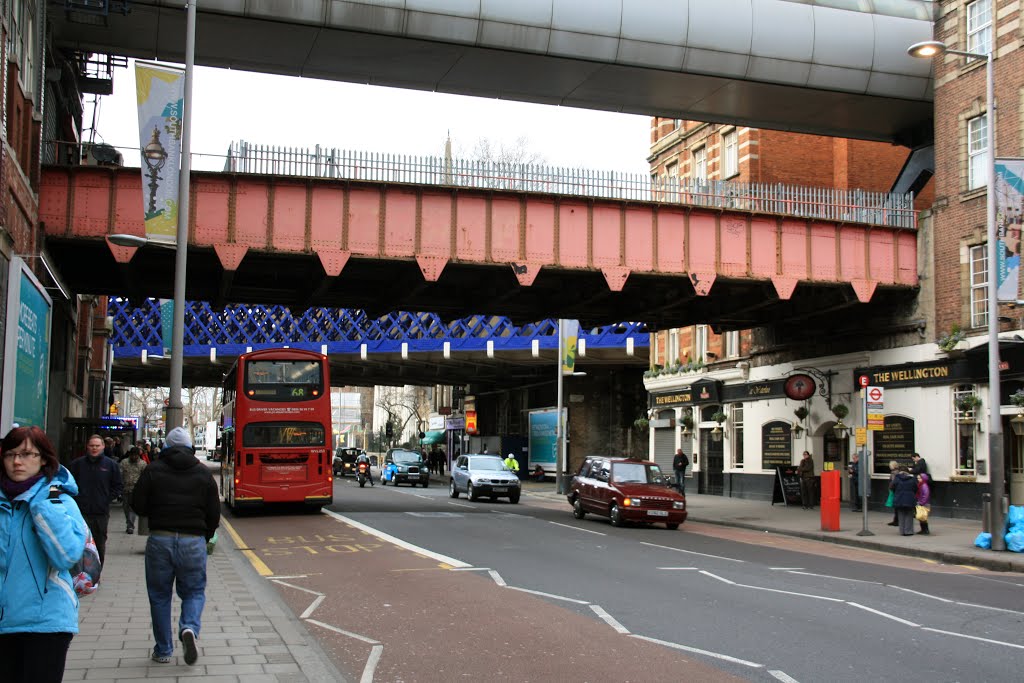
x,y
405,617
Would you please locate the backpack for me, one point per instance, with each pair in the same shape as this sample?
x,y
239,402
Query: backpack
x,y
85,574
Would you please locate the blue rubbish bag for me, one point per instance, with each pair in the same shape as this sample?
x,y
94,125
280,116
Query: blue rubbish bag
x,y
984,540
1015,541
1015,516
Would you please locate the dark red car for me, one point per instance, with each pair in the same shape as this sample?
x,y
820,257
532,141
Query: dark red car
x,y
625,491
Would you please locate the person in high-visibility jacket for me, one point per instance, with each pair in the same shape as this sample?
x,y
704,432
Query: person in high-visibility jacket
x,y
512,463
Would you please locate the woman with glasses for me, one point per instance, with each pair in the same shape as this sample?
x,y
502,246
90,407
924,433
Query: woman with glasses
x,y
42,535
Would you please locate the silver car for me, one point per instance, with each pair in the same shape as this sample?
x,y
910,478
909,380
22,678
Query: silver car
x,y
483,476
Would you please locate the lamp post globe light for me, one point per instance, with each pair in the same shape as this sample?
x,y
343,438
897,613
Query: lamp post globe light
x,y
155,157
933,48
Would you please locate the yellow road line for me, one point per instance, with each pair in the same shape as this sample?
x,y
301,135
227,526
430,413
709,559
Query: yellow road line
x,y
261,568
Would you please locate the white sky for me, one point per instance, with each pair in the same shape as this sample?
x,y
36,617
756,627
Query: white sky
x,y
303,112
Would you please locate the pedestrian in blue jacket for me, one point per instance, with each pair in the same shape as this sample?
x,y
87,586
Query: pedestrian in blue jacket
x,y
42,535
904,499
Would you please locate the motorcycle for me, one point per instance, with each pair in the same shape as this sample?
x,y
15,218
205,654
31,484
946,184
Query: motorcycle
x,y
363,474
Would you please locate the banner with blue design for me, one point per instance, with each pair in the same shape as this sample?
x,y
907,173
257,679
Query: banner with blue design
x,y
1009,194
160,93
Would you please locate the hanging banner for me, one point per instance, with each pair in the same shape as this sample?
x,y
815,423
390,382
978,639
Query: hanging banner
x,y
1009,192
160,93
570,336
166,325
26,349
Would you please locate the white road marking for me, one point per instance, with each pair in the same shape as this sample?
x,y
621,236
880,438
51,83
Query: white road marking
x,y
782,676
923,595
883,614
770,590
470,569
295,576
497,578
680,569
397,541
609,619
576,528
785,569
312,607
549,595
964,635
690,552
371,664
462,505
706,653
996,609
343,632
298,588
715,576
837,578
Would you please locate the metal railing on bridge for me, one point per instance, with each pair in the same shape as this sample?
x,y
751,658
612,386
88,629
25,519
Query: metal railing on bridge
x,y
137,327
856,206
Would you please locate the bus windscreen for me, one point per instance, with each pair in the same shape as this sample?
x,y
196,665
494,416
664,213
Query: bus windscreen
x,y
283,380
262,434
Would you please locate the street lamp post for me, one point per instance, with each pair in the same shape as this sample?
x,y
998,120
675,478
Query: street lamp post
x,y
930,49
155,157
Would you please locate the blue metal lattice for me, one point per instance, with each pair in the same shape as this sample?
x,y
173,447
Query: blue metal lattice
x,y
343,330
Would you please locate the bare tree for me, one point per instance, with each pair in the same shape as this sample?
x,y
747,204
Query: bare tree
x,y
517,152
202,405
148,402
500,165
402,406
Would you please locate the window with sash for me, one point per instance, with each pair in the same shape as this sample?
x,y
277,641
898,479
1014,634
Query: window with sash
x,y
979,26
979,285
977,152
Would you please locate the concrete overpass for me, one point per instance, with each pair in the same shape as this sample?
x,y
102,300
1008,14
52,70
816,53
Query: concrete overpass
x,y
801,65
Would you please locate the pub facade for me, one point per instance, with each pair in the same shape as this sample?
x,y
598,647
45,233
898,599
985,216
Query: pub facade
x,y
737,424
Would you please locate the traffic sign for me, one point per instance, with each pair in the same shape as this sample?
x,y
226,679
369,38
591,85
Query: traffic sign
x,y
862,436
875,394
863,380
876,422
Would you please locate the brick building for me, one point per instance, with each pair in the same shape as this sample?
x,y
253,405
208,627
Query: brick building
x,y
61,352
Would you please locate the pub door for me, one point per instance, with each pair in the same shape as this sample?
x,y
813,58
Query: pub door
x,y
712,474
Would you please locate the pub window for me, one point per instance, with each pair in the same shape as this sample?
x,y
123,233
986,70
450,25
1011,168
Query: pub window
x,y
732,344
700,342
673,348
979,285
965,462
736,418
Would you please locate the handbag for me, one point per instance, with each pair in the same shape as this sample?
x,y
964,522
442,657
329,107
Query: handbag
x,y
921,513
888,501
85,574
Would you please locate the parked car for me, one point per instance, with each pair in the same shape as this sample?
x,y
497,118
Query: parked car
x,y
483,476
345,461
625,491
401,465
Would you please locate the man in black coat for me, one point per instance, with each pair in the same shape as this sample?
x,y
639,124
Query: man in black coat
x,y
679,464
99,483
179,496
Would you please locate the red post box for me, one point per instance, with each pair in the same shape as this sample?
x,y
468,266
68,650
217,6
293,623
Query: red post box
x,y
830,504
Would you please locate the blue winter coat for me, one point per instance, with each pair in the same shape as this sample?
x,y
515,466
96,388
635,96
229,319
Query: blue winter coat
x,y
40,539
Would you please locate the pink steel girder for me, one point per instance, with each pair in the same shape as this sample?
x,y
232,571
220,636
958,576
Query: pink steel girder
x,y
339,220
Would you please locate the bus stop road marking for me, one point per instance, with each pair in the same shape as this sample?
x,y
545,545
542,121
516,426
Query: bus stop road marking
x,y
261,568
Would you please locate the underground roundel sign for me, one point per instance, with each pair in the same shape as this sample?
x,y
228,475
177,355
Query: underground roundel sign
x,y
799,387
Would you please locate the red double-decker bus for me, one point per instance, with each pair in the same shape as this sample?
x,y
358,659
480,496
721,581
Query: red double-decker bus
x,y
275,446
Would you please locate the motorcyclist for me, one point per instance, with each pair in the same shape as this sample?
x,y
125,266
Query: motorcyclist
x,y
364,458
511,462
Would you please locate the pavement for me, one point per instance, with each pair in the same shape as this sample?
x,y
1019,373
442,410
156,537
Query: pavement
x,y
250,635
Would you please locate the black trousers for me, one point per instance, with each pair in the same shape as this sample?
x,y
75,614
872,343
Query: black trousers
x,y
98,527
34,657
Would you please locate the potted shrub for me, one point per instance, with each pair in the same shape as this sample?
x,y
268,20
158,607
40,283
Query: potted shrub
x,y
718,417
950,342
840,410
801,413
968,405
687,421
1017,422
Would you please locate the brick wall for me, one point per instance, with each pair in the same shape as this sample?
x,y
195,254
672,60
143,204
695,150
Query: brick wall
x,y
960,214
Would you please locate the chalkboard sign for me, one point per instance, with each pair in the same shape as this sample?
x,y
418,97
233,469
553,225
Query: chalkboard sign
x,y
895,442
787,486
776,444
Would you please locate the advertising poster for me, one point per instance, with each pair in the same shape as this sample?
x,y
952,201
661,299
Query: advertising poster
x,y
570,337
543,439
1009,190
26,350
160,93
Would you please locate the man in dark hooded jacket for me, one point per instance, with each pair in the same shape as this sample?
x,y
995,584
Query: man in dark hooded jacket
x,y
179,496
